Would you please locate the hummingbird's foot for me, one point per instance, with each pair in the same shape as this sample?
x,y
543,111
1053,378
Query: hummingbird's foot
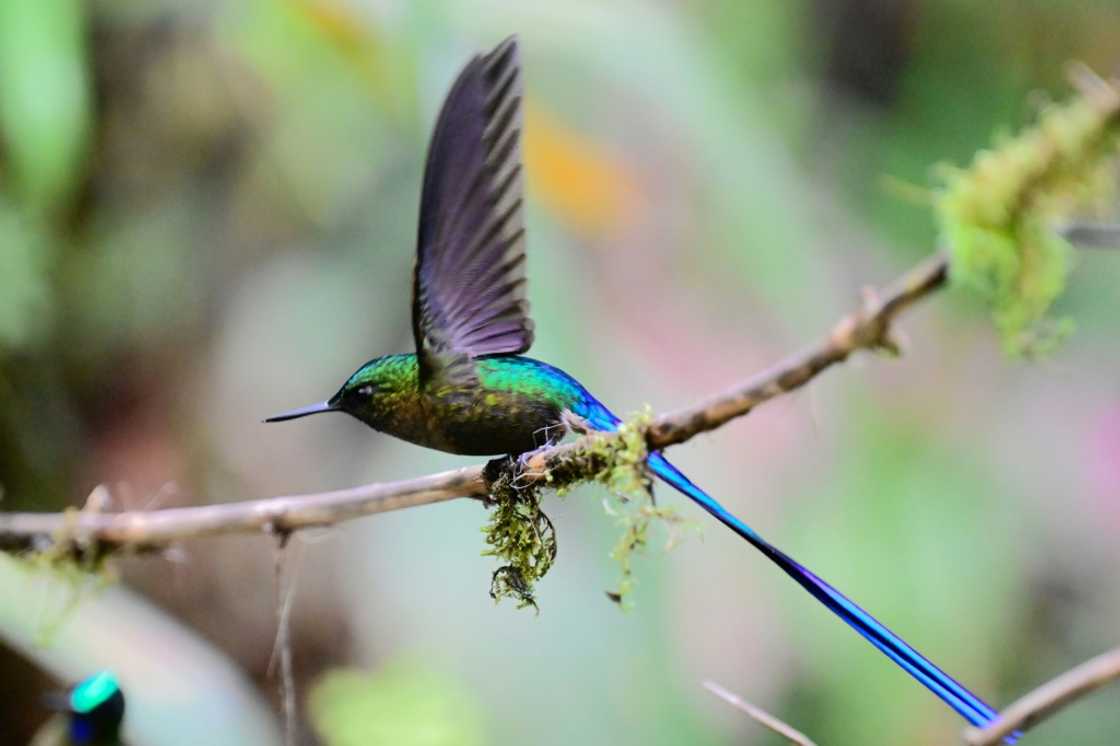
x,y
574,424
525,460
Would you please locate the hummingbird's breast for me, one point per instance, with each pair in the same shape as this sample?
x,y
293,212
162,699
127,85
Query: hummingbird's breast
x,y
511,405
479,421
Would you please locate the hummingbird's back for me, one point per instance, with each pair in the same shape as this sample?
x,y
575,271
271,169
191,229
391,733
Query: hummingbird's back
x,y
515,406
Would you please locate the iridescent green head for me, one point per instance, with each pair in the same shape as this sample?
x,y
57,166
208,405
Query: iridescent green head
x,y
376,393
96,710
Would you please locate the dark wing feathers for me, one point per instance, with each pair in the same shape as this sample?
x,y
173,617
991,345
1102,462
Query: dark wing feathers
x,y
468,292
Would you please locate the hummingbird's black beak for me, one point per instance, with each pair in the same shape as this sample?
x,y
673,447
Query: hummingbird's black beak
x,y
291,414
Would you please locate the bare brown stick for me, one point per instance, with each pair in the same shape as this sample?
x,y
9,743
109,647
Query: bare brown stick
x,y
1030,710
1085,234
286,577
146,529
867,328
759,715
91,530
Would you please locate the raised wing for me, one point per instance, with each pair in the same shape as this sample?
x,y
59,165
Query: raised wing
x,y
468,293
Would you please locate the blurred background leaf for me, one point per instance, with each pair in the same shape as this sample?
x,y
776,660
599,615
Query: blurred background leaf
x,y
25,293
402,704
44,101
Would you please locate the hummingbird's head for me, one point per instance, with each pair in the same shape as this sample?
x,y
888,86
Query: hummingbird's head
x,y
372,394
95,709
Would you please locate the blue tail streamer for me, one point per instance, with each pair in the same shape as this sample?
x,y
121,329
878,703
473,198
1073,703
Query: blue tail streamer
x,y
968,705
971,707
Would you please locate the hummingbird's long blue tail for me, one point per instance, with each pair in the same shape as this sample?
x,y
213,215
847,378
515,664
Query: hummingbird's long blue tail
x,y
971,707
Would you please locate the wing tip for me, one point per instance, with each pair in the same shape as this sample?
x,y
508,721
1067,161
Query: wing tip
x,y
507,48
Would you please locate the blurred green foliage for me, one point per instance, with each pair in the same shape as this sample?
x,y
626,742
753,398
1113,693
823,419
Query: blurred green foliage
x,y
402,704
44,99
25,292
44,131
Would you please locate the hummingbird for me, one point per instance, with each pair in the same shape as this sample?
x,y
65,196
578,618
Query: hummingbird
x,y
91,714
469,389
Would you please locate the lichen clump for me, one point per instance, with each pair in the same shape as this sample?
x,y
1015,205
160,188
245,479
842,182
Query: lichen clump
x,y
998,216
631,501
522,536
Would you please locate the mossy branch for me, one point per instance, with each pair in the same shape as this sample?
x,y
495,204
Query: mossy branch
x,y
522,536
1000,216
98,532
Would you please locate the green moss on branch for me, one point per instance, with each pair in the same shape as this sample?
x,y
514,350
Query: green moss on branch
x,y
522,536
998,216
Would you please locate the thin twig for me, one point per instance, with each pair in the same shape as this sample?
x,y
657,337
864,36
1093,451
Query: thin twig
x,y
759,715
866,329
285,582
1030,710
1086,234
97,533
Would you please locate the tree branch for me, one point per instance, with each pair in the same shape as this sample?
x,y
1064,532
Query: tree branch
x,y
1032,709
868,328
90,531
150,529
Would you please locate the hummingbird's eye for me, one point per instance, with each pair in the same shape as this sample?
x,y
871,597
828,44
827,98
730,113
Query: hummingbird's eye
x,y
366,391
